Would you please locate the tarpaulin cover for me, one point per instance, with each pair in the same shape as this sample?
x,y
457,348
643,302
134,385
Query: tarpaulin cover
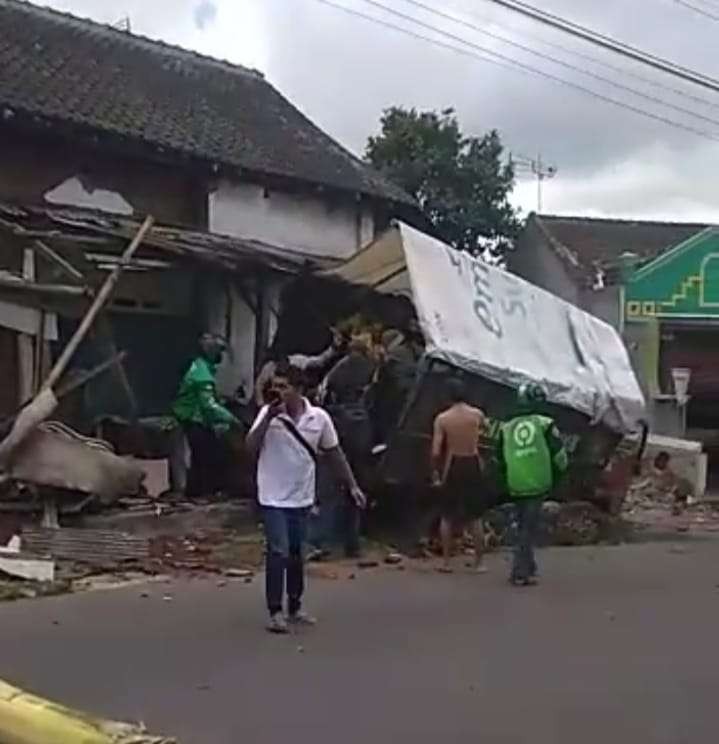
x,y
491,323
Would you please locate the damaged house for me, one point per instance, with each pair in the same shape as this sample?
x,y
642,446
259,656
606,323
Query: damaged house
x,y
98,128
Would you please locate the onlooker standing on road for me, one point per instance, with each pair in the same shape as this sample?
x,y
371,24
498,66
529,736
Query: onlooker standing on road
x,y
288,435
531,454
457,471
203,419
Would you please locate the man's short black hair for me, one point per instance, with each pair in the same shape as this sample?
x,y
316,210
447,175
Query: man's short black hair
x,y
294,375
457,390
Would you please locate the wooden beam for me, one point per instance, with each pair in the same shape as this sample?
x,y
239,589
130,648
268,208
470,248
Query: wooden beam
x,y
61,262
98,303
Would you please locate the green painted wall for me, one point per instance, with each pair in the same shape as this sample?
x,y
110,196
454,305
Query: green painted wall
x,y
681,283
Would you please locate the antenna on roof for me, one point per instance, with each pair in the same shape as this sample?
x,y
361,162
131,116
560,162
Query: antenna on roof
x,y
538,168
123,24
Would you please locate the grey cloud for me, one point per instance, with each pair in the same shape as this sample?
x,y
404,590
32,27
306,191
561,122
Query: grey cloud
x,y
343,71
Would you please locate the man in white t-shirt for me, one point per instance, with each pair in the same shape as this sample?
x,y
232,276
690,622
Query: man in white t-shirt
x,y
287,436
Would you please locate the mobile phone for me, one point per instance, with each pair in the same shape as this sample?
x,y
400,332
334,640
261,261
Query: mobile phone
x,y
272,397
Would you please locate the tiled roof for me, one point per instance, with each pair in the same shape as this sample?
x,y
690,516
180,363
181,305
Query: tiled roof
x,y
588,244
65,69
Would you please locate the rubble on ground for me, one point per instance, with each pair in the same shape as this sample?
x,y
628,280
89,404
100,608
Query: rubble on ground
x,y
661,501
573,523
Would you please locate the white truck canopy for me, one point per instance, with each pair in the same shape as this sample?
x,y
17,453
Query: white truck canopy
x,y
491,323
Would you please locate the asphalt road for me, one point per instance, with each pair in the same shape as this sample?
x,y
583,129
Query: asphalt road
x,y
617,645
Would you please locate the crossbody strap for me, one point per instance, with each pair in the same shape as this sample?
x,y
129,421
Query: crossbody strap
x,y
295,432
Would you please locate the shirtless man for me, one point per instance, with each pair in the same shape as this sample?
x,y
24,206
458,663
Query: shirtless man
x,y
457,471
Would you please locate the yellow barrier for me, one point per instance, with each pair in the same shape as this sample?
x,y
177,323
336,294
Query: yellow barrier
x,y
28,719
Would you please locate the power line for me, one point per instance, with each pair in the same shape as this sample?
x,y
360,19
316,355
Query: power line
x,y
420,37
593,37
620,70
543,73
554,60
698,10
519,66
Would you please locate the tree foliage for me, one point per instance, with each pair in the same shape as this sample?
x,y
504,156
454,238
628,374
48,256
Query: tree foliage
x,y
461,183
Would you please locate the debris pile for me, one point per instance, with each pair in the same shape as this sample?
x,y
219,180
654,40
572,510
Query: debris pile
x,y
658,499
563,523
655,491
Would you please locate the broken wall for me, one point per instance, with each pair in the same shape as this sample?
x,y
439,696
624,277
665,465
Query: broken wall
x,y
36,170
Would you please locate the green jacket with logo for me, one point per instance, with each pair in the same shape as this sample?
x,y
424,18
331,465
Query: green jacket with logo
x,y
531,453
196,401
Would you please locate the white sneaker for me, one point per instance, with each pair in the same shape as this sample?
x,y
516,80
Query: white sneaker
x,y
302,618
277,624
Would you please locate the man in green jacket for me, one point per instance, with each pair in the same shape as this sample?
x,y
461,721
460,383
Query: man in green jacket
x,y
203,419
531,455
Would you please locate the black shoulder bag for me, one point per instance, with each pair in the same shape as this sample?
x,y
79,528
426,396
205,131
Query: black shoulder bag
x,y
292,429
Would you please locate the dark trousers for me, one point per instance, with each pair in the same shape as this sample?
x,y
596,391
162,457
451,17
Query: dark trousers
x,y
528,513
350,524
338,521
205,476
285,531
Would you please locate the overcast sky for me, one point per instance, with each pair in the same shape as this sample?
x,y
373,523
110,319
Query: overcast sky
x,y
342,71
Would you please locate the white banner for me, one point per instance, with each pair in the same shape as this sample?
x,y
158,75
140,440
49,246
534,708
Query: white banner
x,y
496,325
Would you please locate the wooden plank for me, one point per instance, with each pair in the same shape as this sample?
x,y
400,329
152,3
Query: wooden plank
x,y
98,303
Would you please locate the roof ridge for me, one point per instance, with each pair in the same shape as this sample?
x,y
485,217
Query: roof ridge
x,y
562,250
140,40
621,220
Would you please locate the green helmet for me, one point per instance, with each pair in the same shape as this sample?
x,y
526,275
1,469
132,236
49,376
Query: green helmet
x,y
531,394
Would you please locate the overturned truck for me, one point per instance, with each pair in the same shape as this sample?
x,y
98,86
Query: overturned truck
x,y
498,331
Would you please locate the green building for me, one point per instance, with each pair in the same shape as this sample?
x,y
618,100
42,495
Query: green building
x,y
656,282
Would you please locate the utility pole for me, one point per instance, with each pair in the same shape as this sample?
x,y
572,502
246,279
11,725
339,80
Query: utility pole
x,y
537,167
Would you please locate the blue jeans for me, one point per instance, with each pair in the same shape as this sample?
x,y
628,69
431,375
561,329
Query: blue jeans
x,y
528,513
285,531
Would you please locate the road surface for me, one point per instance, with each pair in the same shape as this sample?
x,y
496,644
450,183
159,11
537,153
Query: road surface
x,y
617,645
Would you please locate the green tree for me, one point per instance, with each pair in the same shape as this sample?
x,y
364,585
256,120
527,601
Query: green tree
x,y
461,183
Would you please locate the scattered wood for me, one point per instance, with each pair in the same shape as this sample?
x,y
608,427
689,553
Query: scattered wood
x,y
98,303
96,547
45,402
239,573
65,266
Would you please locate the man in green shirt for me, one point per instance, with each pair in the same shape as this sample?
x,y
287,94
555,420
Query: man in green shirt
x,y
531,456
203,419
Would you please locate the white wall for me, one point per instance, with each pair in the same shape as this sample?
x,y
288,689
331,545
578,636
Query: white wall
x,y
304,223
238,367
604,303
226,307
